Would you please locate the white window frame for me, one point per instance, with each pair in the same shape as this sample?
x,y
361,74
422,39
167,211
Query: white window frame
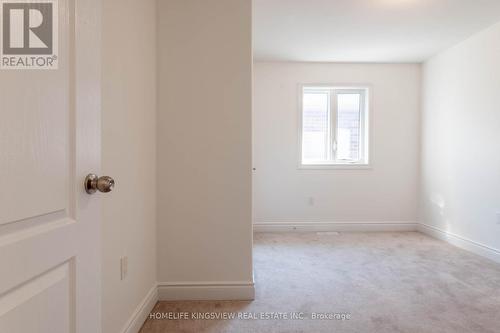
x,y
365,121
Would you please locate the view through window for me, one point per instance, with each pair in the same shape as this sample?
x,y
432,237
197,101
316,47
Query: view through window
x,y
334,126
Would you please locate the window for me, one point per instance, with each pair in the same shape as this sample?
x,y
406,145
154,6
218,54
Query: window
x,y
334,127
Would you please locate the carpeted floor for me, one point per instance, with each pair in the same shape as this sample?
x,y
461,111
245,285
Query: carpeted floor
x,y
379,282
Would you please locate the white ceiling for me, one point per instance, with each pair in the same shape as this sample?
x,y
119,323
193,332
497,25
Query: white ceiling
x,y
365,30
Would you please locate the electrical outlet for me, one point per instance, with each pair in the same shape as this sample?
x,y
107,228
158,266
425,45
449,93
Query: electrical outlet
x,y
311,201
123,267
498,218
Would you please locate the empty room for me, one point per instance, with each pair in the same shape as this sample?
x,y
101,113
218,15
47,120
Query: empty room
x,y
249,166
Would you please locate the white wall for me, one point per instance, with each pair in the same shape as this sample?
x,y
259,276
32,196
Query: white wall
x,y
385,193
129,155
461,140
204,143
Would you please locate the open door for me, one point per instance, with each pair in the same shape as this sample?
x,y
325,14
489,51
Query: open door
x,y
49,142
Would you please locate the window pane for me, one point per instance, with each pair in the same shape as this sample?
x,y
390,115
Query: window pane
x,y
315,126
349,122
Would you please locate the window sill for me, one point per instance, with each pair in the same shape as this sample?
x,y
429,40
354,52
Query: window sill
x,y
334,167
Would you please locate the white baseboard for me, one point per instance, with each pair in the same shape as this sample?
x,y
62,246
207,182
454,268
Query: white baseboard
x,y
333,226
142,311
461,242
177,291
202,291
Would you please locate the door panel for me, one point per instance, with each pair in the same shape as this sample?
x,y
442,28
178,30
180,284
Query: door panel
x,y
49,226
40,305
35,116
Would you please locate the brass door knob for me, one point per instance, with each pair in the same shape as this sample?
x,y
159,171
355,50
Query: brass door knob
x,y
103,184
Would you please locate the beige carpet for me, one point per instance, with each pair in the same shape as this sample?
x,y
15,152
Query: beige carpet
x,y
385,282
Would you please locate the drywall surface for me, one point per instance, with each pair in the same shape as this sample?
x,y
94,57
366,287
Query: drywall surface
x,y
461,140
128,155
387,192
204,142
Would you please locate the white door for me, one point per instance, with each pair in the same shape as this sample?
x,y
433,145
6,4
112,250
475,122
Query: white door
x,y
49,226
